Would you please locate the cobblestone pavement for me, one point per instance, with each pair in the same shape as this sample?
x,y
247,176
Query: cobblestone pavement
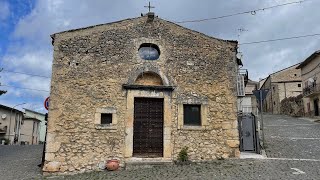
x,y
224,169
20,162
288,137
292,150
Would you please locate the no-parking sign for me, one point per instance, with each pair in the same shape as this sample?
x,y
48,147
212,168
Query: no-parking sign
x,y
46,103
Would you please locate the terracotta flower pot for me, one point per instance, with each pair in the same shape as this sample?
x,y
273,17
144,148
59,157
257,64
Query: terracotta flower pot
x,y
112,164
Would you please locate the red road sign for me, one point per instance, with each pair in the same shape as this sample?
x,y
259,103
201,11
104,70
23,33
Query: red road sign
x,y
46,103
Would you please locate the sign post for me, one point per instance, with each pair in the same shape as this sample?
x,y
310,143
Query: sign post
x,y
46,105
261,95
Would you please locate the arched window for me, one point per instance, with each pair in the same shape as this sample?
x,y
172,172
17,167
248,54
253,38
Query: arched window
x,y
148,51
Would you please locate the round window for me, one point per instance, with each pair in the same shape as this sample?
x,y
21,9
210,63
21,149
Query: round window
x,y
148,51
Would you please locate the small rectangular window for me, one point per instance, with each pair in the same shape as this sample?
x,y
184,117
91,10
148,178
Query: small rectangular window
x,y
299,85
192,115
106,118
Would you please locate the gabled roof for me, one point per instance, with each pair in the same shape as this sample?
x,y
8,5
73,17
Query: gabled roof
x,y
129,19
266,79
309,59
33,111
9,108
252,82
31,119
284,69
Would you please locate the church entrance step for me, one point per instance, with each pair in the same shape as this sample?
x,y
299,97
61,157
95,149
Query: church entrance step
x,y
142,163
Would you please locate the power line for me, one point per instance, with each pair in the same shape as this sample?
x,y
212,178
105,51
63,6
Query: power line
x,y
26,88
42,76
252,12
280,39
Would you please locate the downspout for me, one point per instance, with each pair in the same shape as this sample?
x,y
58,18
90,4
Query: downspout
x,y
19,134
285,90
271,96
32,132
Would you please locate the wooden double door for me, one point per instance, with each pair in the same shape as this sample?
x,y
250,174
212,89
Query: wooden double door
x,y
148,127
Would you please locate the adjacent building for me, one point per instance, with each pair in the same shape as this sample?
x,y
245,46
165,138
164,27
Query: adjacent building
x,y
248,102
310,73
40,118
281,84
10,121
138,90
29,131
18,127
33,128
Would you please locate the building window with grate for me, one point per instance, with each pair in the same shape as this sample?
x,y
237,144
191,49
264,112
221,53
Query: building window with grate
x,y
192,114
299,85
106,118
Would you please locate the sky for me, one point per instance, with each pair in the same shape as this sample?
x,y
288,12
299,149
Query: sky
x,y
26,26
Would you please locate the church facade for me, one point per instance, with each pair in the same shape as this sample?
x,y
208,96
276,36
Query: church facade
x,y
140,89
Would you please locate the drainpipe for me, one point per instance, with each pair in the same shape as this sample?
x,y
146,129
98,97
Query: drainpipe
x,y
271,96
32,135
285,90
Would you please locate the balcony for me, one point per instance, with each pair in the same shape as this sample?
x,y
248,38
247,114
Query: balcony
x,y
311,90
245,74
3,129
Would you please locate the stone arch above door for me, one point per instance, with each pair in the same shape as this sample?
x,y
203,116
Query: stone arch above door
x,y
149,79
153,76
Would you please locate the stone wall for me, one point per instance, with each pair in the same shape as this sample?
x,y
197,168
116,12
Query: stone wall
x,y
90,67
309,73
282,84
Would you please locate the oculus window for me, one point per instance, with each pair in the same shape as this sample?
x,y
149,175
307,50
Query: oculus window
x,y
148,51
192,114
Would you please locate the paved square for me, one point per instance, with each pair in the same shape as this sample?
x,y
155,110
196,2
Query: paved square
x,y
292,150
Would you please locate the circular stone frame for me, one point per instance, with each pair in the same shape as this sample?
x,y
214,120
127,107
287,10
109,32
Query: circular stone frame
x,y
152,48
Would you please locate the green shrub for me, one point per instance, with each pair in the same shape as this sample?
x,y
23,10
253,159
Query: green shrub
x,y
183,155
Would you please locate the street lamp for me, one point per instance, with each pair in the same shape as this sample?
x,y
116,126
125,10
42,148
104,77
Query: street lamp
x,y
11,118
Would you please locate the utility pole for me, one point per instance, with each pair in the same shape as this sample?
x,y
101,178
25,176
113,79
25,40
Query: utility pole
x,y
11,118
261,117
260,96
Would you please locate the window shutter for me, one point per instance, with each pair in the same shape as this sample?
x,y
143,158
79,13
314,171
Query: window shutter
x,y
240,85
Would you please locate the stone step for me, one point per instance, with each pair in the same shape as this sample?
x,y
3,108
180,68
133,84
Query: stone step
x,y
142,163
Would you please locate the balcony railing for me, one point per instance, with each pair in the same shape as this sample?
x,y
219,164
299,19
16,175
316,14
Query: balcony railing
x,y
245,74
249,109
311,89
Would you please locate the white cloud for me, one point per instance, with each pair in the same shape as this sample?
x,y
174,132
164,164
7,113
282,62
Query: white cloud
x,y
29,60
30,49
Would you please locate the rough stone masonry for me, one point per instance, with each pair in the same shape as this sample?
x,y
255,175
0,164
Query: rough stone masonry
x,y
97,72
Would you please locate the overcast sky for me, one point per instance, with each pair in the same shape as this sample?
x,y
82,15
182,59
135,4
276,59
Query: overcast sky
x,y
26,25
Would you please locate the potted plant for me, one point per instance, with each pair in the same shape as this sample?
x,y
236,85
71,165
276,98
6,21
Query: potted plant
x,y
112,164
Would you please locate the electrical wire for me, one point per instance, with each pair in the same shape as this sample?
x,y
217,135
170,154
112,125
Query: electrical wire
x,y
25,88
42,76
280,39
252,12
